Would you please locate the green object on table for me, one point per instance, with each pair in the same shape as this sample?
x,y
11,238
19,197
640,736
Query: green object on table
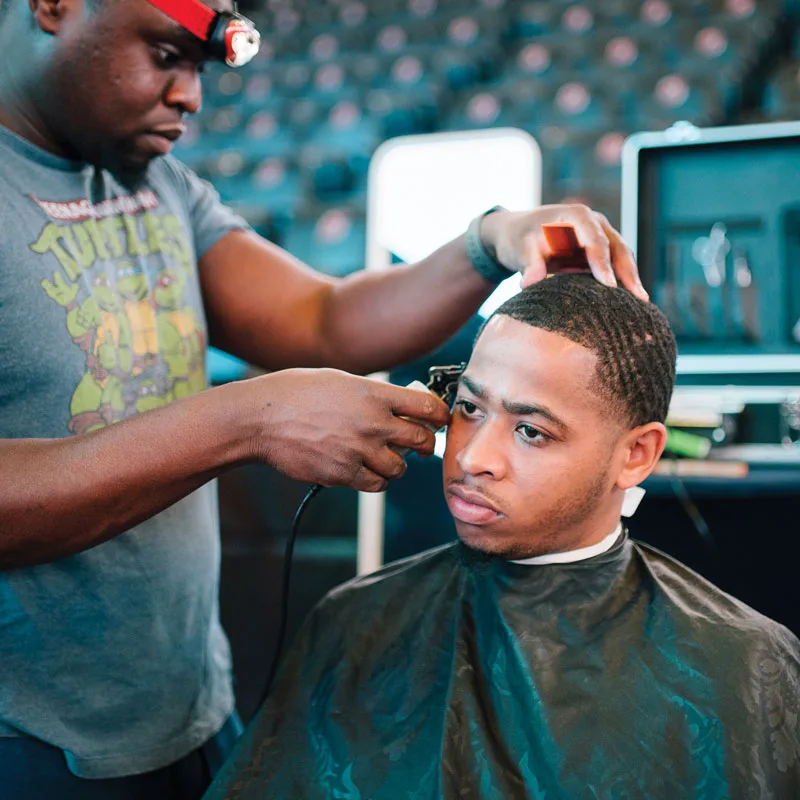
x,y
685,444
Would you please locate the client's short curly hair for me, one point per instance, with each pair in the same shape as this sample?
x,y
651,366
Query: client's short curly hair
x,y
632,339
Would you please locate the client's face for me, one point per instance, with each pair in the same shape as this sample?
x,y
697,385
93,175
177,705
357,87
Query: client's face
x,y
531,448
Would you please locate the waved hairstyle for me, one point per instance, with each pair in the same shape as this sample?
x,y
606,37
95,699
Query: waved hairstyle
x,y
632,339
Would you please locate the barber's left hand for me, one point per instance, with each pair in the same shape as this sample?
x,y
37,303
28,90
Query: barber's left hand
x,y
518,241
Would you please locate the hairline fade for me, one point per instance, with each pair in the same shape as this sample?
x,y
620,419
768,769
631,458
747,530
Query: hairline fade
x,y
632,340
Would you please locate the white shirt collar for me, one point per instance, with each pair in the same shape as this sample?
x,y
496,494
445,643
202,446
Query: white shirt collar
x,y
576,555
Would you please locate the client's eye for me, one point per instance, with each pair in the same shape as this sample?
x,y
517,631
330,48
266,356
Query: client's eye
x,y
466,408
532,435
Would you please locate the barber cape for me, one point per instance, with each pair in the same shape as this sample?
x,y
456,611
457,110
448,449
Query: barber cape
x,y
453,675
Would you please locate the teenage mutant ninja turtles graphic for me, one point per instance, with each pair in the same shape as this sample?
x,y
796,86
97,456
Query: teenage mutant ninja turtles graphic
x,y
182,338
143,342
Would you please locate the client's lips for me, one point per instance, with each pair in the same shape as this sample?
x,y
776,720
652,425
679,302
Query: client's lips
x,y
470,507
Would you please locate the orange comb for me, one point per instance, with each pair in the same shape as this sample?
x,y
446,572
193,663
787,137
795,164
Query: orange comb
x,y
560,238
566,253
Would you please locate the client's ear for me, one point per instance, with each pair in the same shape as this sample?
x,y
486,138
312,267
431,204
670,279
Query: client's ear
x,y
642,447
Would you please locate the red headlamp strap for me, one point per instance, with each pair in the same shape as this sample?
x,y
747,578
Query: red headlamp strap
x,y
193,15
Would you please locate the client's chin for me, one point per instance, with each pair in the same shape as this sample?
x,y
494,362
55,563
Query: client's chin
x,y
499,543
486,541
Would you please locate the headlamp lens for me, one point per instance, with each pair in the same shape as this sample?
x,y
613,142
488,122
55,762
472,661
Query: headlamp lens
x,y
228,37
242,42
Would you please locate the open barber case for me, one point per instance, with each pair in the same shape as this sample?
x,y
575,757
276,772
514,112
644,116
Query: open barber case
x,y
714,217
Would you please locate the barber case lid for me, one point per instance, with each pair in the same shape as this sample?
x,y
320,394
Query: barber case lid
x,y
713,215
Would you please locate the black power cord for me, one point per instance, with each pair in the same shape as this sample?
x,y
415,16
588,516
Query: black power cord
x,y
696,517
443,382
285,586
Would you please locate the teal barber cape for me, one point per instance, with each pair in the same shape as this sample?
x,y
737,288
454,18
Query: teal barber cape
x,y
454,675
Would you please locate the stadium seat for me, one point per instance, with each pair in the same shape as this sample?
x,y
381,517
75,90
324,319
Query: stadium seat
x,y
477,110
264,135
270,185
333,243
581,107
678,97
347,129
534,19
781,100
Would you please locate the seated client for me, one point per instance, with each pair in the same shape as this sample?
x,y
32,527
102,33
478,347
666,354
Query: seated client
x,y
545,654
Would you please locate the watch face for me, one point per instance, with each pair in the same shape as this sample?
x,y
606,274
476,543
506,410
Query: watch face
x,y
242,42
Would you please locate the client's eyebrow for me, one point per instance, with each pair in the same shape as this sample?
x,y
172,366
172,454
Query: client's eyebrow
x,y
516,408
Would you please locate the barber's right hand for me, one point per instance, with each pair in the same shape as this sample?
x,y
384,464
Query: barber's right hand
x,y
329,427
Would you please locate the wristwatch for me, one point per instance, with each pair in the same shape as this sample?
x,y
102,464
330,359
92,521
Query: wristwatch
x,y
484,262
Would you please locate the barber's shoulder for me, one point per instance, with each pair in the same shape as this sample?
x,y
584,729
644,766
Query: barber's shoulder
x,y
172,168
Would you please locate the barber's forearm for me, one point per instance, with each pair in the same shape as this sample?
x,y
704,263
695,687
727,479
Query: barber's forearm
x,y
61,496
376,320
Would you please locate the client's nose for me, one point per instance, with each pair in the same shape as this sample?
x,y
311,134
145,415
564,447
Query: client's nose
x,y
482,453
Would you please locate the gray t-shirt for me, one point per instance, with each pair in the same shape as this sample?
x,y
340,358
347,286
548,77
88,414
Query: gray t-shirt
x,y
115,655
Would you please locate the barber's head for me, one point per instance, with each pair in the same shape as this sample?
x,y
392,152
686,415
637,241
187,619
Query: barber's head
x,y
559,411
100,79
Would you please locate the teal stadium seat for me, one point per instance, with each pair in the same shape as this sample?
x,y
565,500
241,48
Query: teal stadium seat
x,y
333,243
781,100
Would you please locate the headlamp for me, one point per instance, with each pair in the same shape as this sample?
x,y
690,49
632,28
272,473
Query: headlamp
x,y
227,36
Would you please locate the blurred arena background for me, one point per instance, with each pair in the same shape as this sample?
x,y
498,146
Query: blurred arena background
x,y
288,139
288,142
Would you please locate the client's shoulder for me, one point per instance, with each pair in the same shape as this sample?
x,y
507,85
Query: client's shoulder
x,y
406,578
706,606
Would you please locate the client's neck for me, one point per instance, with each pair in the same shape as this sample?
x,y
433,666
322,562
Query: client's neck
x,y
586,548
588,532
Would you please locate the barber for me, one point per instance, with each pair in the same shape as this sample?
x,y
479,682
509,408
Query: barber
x,y
117,265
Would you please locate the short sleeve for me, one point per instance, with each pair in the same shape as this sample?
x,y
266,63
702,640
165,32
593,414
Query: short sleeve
x,y
210,218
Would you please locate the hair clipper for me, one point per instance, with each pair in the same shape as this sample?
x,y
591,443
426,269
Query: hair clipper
x,y
443,381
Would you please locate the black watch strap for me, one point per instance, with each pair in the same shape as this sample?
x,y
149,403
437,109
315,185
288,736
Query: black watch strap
x,y
481,259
